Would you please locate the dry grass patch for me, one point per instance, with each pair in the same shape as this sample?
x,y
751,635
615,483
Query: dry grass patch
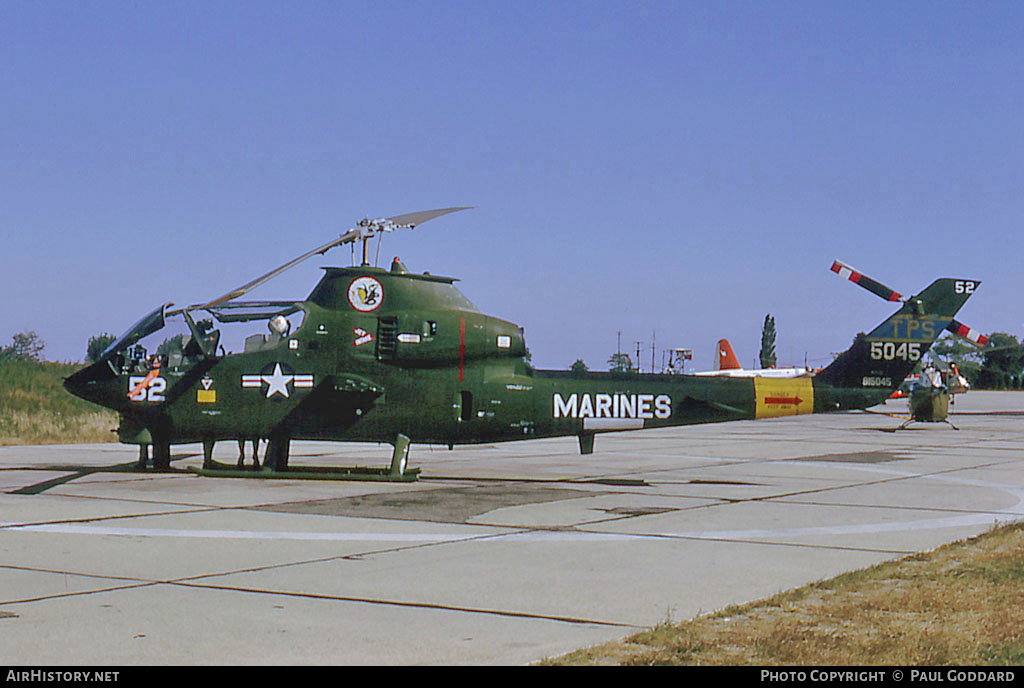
x,y
36,409
50,427
962,604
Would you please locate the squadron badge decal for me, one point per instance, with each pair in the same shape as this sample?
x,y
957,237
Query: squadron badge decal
x,y
365,294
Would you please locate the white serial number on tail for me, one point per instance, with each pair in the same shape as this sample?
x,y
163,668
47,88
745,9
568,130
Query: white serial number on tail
x,y
890,351
612,406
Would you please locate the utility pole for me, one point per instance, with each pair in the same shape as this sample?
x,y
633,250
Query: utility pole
x,y
654,340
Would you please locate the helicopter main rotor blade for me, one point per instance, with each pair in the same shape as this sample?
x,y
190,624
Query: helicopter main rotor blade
x,y
345,238
365,229
413,219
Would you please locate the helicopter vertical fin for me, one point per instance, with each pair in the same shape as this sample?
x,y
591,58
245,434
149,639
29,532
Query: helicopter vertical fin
x,y
886,355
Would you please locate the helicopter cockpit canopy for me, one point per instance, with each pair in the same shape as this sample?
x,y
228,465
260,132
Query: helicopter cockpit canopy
x,y
147,325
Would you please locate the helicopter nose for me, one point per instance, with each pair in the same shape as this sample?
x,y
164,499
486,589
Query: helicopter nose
x,y
94,383
78,384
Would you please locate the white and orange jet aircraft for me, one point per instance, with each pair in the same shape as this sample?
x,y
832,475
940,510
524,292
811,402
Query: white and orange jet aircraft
x,y
727,365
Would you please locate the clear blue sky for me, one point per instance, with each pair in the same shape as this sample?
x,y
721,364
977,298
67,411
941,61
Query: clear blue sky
x,y
678,167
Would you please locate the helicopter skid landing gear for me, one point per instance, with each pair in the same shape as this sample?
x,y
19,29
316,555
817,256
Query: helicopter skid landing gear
x,y
276,456
161,456
903,426
208,454
400,457
275,465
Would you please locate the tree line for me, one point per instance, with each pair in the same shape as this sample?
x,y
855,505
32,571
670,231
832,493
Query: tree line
x,y
998,366
29,346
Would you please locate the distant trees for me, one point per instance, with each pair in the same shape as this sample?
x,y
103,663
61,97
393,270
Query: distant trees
x,y
1003,364
97,345
579,367
620,363
999,366
175,343
768,342
24,346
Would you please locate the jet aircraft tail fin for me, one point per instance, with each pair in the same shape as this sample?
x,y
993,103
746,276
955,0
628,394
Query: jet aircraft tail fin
x,y
890,352
725,358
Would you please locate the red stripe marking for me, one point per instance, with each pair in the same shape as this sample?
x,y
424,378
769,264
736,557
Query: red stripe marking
x,y
462,348
970,334
783,400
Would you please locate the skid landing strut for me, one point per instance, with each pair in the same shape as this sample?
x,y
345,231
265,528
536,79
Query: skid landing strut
x,y
276,466
223,470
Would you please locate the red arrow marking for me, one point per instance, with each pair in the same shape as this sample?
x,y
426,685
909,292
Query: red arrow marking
x,y
783,400
145,381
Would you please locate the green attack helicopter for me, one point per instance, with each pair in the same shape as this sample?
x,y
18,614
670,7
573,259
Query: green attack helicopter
x,y
391,356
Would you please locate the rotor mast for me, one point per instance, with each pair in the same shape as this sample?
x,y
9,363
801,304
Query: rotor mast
x,y
368,228
364,230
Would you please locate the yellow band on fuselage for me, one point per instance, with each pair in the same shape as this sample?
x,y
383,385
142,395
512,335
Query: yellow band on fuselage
x,y
789,396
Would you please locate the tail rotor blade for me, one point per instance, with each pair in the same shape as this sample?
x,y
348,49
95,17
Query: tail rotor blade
x,y
876,288
968,333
